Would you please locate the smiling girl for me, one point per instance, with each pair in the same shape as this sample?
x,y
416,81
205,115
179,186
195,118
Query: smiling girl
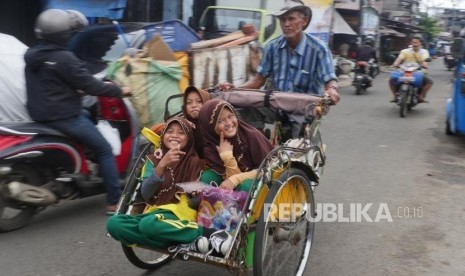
x,y
170,220
233,149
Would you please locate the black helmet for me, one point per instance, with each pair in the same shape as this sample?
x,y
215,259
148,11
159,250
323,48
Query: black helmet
x,y
369,41
58,26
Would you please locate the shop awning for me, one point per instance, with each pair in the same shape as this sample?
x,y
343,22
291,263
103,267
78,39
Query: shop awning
x,y
387,31
340,26
113,9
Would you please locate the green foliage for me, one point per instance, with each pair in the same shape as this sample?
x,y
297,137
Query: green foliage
x,y
430,26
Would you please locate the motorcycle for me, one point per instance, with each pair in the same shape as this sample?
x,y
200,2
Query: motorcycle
x,y
362,79
408,82
449,62
43,167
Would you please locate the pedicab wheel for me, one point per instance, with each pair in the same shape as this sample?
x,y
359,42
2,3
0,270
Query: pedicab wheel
x,y
145,258
132,179
283,241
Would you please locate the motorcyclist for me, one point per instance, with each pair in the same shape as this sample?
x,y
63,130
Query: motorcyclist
x,y
367,53
55,80
413,54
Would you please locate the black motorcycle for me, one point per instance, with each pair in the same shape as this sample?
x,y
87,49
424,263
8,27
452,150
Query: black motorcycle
x,y
449,62
362,79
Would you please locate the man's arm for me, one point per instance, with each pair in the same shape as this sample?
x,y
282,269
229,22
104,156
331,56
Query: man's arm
x,y
254,83
332,90
398,60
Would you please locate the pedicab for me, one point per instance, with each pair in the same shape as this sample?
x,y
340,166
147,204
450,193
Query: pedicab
x,y
274,235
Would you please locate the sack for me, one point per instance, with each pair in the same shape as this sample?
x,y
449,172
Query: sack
x,y
110,134
220,208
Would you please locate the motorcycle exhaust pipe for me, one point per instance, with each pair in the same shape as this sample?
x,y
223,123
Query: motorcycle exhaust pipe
x,y
31,195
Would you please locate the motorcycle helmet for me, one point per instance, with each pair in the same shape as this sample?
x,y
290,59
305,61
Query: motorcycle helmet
x,y
369,41
58,26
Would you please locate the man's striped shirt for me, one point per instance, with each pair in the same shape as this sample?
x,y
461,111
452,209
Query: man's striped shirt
x,y
306,70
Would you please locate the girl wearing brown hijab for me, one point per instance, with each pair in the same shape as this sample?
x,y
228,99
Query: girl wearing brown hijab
x,y
170,220
233,149
194,99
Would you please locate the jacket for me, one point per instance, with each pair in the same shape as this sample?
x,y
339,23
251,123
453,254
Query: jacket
x,y
53,77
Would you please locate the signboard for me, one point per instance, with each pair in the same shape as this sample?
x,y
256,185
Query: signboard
x,y
322,14
370,21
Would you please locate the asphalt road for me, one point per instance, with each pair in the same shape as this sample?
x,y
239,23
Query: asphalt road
x,y
406,167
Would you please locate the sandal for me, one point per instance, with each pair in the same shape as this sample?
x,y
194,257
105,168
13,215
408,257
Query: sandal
x,y
111,209
422,101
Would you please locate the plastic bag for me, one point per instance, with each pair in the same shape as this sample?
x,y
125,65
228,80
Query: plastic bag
x,y
110,134
220,208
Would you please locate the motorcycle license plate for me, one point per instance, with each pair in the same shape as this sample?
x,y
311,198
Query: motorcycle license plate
x,y
406,79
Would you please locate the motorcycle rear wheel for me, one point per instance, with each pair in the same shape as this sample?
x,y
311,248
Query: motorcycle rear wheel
x,y
15,215
358,89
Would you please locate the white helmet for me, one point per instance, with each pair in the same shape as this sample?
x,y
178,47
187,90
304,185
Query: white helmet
x,y
58,26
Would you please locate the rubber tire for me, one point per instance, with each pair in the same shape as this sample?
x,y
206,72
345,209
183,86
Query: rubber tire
x,y
131,184
261,230
358,88
129,188
448,129
403,103
410,103
132,256
27,175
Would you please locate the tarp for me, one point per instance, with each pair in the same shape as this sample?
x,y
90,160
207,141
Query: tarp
x,y
151,83
340,26
113,9
292,102
12,82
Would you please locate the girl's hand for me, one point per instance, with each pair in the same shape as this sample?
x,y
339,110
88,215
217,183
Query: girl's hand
x,y
227,185
225,145
172,157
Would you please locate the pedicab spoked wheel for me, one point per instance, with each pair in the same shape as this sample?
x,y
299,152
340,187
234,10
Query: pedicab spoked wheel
x,y
145,258
141,257
284,236
132,179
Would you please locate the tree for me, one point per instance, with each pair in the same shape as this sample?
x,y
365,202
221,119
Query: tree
x,y
430,26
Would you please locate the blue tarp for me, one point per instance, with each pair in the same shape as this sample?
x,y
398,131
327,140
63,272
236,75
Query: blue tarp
x,y
112,9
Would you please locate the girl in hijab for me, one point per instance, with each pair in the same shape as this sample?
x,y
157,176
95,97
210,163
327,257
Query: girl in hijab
x,y
170,220
233,149
194,99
